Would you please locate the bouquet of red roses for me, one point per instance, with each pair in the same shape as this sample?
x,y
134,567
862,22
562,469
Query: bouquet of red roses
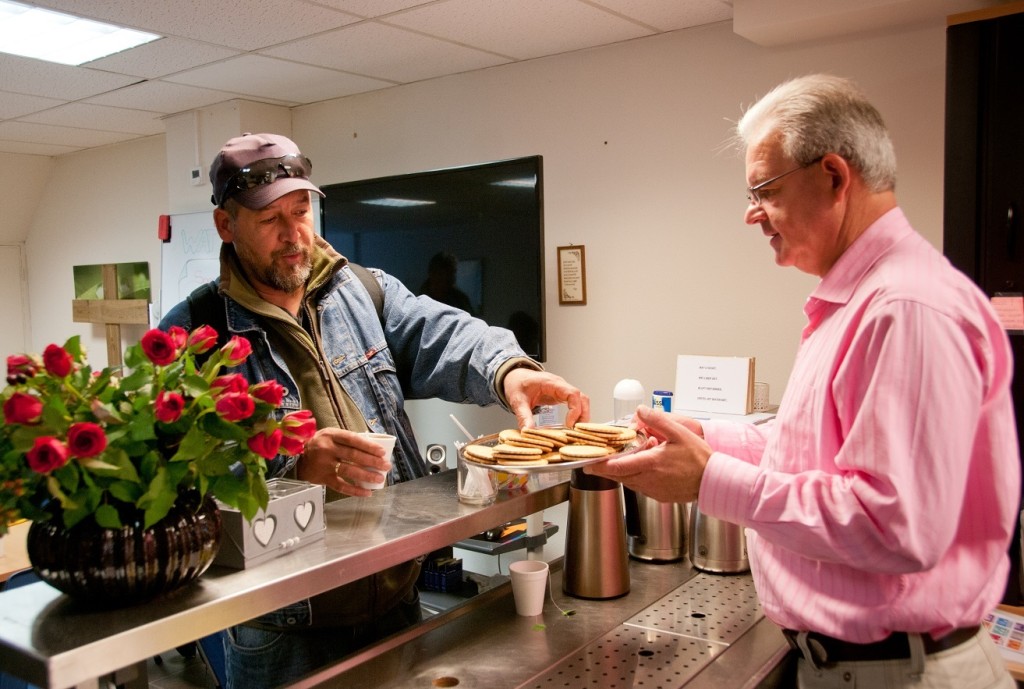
x,y
112,444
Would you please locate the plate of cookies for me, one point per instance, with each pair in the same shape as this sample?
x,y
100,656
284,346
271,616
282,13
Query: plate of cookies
x,y
551,448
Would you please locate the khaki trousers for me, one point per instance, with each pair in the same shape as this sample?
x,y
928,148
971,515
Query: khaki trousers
x,y
974,664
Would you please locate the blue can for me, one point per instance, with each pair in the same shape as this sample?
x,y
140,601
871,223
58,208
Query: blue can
x,y
662,399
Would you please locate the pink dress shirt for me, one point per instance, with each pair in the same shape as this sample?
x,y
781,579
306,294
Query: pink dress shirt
x,y
883,496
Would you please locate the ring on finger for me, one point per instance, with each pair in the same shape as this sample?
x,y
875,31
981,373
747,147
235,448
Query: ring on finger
x,y
337,469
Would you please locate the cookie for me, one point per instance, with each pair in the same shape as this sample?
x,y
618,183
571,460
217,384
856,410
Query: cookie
x,y
598,428
577,452
514,437
553,435
516,451
479,453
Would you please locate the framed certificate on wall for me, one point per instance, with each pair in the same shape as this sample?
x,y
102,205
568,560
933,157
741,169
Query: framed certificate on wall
x,y
572,275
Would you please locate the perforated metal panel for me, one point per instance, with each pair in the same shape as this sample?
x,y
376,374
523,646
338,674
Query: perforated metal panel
x,y
666,644
712,607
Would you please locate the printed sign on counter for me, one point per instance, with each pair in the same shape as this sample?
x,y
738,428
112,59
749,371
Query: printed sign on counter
x,y
723,384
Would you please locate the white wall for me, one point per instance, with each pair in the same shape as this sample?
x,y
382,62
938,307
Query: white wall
x,y
634,169
101,206
632,137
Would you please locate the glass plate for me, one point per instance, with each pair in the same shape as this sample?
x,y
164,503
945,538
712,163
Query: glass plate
x,y
491,440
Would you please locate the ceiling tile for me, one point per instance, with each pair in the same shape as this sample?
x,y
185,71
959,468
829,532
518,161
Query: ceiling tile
x,y
374,8
162,57
66,136
17,104
37,78
386,52
101,117
669,15
524,29
162,96
264,77
241,24
39,149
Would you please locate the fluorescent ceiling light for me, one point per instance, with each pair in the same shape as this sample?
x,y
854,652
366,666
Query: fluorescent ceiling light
x,y
397,203
56,37
522,182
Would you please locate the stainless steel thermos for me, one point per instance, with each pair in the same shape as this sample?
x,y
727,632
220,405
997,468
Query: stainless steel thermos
x,y
715,545
656,531
596,562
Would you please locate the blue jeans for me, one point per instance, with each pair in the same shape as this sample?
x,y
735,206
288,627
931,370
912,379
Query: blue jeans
x,y
262,658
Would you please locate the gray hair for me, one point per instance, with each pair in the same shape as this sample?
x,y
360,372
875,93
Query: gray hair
x,y
819,114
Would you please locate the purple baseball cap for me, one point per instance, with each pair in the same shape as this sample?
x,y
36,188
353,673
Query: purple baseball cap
x,y
258,169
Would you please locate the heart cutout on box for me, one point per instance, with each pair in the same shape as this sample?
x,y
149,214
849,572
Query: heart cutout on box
x,y
303,513
263,529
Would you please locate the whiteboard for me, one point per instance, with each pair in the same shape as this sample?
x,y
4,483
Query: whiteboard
x,y
192,257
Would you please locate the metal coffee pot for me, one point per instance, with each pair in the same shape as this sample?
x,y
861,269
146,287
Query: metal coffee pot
x,y
656,530
715,545
596,564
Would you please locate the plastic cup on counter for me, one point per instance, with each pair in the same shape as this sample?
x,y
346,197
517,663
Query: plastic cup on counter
x,y
388,443
529,583
475,485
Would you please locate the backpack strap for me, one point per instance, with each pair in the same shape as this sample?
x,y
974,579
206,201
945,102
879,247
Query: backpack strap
x,y
206,307
372,286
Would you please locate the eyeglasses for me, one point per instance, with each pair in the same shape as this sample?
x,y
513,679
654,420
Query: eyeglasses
x,y
266,171
754,196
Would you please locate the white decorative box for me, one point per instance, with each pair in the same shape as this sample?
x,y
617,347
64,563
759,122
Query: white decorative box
x,y
294,517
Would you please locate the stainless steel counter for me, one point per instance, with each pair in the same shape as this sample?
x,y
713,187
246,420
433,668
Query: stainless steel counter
x,y
675,628
52,641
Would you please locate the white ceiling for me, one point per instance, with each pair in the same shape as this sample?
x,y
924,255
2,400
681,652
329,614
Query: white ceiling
x,y
295,52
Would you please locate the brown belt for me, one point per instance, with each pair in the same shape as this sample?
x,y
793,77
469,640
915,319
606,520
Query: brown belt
x,y
828,650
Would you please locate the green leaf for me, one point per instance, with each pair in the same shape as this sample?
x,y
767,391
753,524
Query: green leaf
x,y
107,517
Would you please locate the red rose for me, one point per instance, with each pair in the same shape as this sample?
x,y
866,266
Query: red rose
x,y
86,439
299,424
233,382
269,391
169,406
47,454
235,406
202,339
23,408
266,445
20,365
297,428
292,446
179,336
236,350
159,347
57,361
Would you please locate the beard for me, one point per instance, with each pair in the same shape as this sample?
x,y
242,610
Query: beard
x,y
284,278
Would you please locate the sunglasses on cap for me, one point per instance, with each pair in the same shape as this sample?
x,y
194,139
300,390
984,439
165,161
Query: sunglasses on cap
x,y
263,172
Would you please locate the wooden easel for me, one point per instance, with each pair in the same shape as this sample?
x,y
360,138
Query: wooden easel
x,y
111,312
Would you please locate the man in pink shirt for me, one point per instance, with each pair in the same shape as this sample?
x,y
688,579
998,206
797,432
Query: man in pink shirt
x,y
880,503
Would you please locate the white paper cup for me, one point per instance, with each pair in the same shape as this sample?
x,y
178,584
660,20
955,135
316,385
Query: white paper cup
x,y
529,582
388,443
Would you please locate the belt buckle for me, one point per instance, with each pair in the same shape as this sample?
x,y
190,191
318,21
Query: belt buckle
x,y
812,650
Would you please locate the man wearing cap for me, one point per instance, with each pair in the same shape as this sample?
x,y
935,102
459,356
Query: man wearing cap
x,y
316,329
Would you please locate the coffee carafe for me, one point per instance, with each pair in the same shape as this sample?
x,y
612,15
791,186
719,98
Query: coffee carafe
x,y
596,561
715,545
656,531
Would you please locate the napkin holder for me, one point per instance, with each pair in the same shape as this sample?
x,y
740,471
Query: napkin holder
x,y
294,517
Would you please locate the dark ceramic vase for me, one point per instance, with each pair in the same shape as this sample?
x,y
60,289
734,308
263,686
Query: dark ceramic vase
x,y
118,567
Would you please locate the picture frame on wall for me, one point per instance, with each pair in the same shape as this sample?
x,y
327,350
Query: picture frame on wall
x,y
572,274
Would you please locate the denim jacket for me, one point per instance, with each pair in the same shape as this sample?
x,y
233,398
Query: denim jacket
x,y
418,349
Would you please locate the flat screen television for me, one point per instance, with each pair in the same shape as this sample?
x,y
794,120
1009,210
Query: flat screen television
x,y
470,236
